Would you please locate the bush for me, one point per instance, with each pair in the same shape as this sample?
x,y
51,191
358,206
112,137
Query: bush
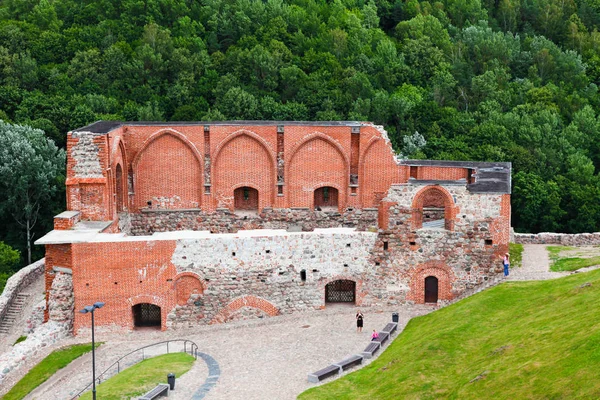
x,y
9,259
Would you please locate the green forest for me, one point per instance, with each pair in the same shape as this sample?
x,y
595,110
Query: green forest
x,y
483,80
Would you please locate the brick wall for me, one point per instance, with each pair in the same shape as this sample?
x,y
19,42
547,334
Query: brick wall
x,y
191,175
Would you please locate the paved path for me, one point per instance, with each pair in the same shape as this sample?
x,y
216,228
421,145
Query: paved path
x,y
535,265
249,360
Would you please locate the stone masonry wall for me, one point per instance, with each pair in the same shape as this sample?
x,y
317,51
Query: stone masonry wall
x,y
461,258
565,239
270,267
61,300
224,221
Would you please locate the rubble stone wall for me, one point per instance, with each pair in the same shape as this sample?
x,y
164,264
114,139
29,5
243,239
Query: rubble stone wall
x,y
225,221
565,239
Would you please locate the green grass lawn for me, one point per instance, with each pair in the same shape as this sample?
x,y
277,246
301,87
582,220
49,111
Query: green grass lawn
x,y
559,263
519,340
516,254
142,377
46,368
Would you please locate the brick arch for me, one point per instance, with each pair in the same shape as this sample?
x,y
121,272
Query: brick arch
x,y
319,173
360,294
161,133
428,193
155,300
324,184
245,301
362,171
186,284
224,185
316,136
180,183
441,271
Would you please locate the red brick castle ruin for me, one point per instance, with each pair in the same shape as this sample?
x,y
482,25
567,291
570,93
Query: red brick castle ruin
x,y
180,224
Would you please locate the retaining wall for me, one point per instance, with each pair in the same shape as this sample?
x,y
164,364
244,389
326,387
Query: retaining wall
x,y
18,282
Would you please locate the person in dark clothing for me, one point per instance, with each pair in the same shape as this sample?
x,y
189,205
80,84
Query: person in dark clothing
x,y
359,321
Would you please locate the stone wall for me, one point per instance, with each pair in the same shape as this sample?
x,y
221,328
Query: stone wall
x,y
225,221
565,239
18,282
232,267
460,258
60,300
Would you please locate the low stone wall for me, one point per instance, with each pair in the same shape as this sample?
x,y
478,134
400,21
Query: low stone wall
x,y
45,335
18,282
224,221
59,326
565,239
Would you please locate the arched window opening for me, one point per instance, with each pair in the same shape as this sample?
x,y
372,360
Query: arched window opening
x,y
340,291
326,199
431,289
245,200
119,183
146,315
432,209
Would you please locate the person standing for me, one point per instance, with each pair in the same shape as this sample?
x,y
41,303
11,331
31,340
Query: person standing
x,y
359,321
506,263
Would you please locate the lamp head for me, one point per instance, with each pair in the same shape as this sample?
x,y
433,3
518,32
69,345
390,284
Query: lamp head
x,y
98,304
86,309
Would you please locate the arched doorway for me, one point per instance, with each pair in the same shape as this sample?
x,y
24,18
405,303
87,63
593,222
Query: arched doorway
x,y
245,199
146,314
119,183
431,289
326,198
340,291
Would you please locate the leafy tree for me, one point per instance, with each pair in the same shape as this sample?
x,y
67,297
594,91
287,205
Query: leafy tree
x,y
31,175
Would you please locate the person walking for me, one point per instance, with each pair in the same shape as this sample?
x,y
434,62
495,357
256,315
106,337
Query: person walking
x,y
506,263
359,321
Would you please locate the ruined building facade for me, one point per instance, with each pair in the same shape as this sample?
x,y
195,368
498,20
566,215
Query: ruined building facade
x,y
181,224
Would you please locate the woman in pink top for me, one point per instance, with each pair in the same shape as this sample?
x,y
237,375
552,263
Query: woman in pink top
x,y
375,335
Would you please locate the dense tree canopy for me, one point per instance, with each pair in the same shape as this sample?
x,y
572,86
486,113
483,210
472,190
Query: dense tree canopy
x,y
485,80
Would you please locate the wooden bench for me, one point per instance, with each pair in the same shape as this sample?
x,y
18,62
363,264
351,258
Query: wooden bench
x,y
383,336
390,328
324,373
161,390
350,362
371,349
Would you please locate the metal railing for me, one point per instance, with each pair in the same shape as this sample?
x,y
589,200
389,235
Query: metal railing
x,y
146,352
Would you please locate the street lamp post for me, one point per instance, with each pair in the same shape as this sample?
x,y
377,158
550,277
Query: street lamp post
x,y
85,310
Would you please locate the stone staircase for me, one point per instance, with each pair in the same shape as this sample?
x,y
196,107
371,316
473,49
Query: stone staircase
x,y
13,312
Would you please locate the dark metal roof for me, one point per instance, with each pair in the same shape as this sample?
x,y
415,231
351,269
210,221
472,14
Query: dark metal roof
x,y
103,127
490,177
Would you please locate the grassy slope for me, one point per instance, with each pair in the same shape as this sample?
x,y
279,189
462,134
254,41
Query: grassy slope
x,y
142,377
46,368
536,340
